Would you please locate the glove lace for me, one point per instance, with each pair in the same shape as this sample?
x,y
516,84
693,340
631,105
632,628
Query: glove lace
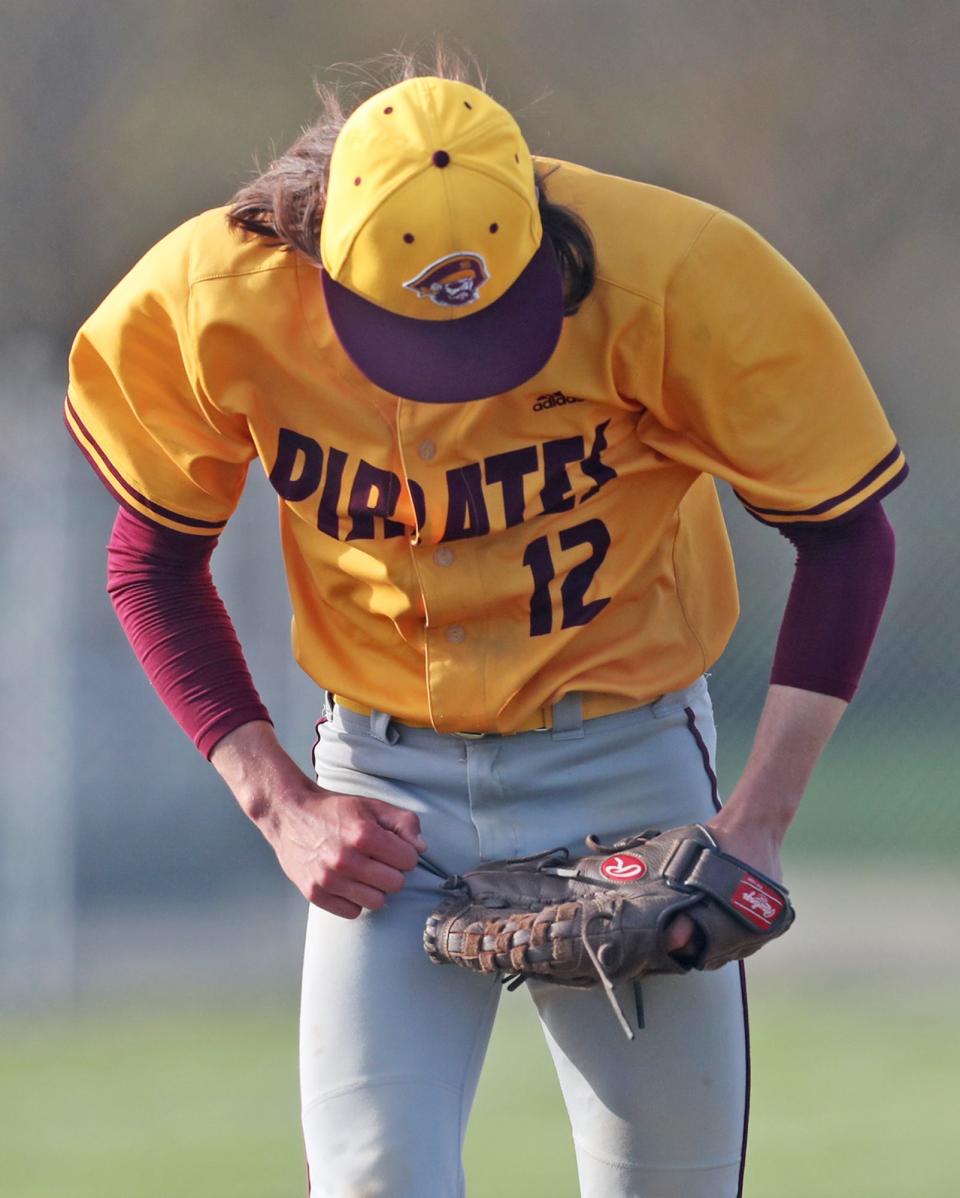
x,y
598,965
513,981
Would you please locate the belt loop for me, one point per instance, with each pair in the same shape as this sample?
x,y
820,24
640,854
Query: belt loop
x,y
328,705
567,722
382,728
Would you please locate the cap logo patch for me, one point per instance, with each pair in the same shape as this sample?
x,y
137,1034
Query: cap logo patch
x,y
758,903
452,281
623,867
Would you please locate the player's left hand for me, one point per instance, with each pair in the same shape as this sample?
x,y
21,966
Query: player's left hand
x,y
755,846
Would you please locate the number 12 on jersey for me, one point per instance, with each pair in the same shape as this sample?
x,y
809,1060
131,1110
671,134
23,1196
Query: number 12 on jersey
x,y
576,582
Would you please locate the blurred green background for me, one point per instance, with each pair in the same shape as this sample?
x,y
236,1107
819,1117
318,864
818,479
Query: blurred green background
x,y
148,943
196,1103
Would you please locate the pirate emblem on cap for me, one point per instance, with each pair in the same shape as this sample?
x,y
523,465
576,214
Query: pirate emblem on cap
x,y
453,281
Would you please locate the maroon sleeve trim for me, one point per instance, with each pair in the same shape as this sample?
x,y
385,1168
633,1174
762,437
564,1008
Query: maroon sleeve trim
x,y
190,521
819,508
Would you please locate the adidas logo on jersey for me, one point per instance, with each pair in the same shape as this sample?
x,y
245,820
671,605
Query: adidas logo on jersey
x,y
555,400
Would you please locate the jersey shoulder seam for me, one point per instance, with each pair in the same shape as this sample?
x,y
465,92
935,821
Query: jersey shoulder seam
x,y
239,273
661,303
629,290
689,250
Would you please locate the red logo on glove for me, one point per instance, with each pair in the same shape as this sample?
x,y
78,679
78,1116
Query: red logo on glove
x,y
760,904
623,867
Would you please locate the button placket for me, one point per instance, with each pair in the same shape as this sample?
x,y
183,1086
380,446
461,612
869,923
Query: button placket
x,y
443,573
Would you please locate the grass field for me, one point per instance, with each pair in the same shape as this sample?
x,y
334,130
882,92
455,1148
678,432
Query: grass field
x,y
854,1097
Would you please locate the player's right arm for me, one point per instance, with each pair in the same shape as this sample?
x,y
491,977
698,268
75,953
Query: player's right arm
x,y
139,410
342,852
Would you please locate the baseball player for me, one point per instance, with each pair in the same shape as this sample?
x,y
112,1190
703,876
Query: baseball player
x,y
492,393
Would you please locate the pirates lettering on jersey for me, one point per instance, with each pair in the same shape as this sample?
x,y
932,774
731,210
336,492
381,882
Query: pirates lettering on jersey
x,y
358,500
451,281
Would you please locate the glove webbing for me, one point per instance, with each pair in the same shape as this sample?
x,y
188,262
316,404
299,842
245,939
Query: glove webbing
x,y
507,938
527,941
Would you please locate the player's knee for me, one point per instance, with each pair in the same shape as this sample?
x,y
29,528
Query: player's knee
x,y
394,1139
337,1179
381,1171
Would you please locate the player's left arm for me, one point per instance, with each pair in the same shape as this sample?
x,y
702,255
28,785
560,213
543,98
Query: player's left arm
x,y
841,581
793,730
762,388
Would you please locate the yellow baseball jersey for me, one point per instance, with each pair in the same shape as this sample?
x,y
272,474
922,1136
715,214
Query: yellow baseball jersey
x,y
464,565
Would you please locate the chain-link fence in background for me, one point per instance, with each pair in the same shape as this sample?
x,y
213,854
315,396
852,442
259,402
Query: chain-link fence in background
x,y
826,125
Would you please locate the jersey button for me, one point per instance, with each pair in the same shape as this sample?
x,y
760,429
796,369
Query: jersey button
x,y
444,556
456,634
428,450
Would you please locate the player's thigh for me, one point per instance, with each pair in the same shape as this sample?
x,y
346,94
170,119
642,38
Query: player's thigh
x,y
390,1053
391,1045
662,1116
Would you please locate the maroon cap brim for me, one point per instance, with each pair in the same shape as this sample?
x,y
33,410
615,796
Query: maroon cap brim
x,y
453,361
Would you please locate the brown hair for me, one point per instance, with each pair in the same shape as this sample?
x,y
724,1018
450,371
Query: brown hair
x,y
285,202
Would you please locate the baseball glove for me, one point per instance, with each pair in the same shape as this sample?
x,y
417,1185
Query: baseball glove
x,y
602,918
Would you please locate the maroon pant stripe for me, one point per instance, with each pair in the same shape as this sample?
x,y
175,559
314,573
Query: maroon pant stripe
x,y
715,795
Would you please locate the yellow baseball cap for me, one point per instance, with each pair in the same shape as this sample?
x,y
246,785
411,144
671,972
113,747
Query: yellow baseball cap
x,y
438,280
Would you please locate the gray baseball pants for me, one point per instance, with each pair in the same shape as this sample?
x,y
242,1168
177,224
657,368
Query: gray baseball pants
x,y
392,1045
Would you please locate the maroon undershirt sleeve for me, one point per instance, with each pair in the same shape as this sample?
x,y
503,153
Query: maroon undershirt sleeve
x,y
840,585
163,593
